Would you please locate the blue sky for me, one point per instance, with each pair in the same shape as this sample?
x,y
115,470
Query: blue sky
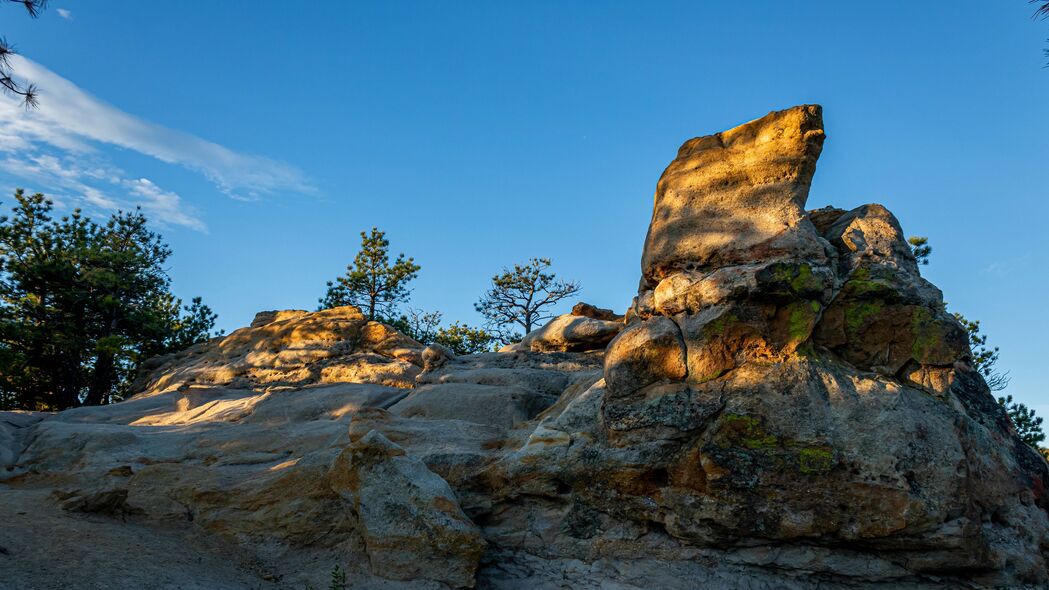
x,y
263,136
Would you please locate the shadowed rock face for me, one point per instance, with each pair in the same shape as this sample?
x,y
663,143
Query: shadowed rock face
x,y
785,404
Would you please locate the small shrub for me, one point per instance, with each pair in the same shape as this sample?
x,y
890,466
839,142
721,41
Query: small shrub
x,y
338,579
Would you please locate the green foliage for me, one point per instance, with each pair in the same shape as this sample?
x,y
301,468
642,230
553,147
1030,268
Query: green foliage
x,y
425,327
81,304
522,296
338,579
197,325
371,282
463,339
921,248
984,359
1028,426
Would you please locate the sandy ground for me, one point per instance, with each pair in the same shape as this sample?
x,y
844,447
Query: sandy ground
x,y
43,547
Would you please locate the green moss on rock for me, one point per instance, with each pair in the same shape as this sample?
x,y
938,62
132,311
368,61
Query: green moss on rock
x,y
747,431
792,279
928,334
858,311
815,460
801,319
717,327
747,437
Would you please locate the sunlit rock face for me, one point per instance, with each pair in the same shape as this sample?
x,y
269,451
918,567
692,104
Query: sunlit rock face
x,y
737,197
785,404
293,348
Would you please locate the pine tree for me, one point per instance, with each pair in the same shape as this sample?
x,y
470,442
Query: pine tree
x,y
1028,426
371,282
920,248
463,339
522,296
82,304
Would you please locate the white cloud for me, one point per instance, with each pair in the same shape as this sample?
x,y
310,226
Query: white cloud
x,y
56,144
73,181
62,12
1009,265
161,204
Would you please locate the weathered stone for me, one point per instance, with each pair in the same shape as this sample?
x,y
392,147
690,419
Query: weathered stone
x,y
885,315
14,427
436,356
824,217
410,519
645,353
278,315
292,348
598,313
871,233
569,333
484,404
737,196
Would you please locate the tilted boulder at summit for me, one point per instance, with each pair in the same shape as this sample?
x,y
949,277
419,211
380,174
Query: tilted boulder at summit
x,y
786,403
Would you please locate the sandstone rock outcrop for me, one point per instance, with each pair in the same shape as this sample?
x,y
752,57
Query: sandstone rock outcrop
x,y
293,348
766,361
410,519
737,196
786,404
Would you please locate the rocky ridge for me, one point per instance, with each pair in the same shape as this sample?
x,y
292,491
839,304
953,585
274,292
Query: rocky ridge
x,y
785,404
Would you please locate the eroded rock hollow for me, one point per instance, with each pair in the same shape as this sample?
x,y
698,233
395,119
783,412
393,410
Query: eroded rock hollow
x,y
785,404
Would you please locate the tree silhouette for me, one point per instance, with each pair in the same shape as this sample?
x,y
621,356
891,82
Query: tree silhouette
x,y
522,296
27,92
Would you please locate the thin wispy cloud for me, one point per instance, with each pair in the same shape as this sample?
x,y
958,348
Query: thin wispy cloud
x,y
74,180
64,13
1009,265
57,145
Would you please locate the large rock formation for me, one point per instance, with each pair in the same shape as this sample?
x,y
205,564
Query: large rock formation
x,y
786,404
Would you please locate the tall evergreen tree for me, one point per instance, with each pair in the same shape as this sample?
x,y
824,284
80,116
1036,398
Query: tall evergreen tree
x,y
371,282
82,304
